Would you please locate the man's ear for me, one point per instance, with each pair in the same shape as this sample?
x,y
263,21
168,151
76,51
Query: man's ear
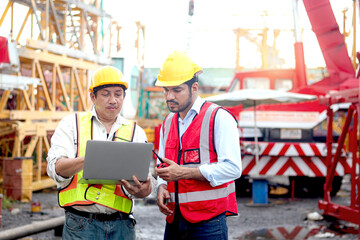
x,y
195,87
92,97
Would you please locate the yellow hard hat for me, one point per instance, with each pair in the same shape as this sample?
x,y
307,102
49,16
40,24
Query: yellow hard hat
x,y
177,69
105,76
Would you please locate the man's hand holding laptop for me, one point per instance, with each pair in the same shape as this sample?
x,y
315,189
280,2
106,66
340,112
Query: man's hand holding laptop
x,y
138,189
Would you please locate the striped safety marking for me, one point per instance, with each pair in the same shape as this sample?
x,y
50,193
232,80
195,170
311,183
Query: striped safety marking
x,y
291,159
292,166
290,232
290,149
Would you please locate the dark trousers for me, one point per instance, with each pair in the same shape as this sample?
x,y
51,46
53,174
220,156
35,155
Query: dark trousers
x,y
213,229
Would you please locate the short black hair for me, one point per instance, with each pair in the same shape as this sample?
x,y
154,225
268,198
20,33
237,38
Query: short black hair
x,y
192,81
107,85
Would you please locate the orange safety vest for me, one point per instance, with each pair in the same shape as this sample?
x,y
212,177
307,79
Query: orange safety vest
x,y
197,200
77,193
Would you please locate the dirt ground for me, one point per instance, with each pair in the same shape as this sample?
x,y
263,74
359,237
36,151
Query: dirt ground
x,y
282,218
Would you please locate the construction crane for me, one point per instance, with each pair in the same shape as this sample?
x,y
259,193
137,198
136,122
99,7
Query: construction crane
x,y
292,148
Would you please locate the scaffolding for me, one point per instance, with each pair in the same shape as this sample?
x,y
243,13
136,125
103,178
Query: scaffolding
x,y
47,73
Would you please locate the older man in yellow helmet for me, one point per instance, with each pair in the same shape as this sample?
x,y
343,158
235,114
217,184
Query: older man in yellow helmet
x,y
199,142
96,211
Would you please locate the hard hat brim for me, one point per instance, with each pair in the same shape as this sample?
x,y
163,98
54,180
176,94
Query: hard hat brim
x,y
160,83
110,84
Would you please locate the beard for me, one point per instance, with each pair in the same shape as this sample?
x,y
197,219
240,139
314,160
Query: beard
x,y
179,108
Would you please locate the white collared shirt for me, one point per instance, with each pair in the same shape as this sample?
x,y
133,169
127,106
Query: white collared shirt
x,y
227,145
64,145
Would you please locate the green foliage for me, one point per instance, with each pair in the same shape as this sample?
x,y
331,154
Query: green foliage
x,y
6,202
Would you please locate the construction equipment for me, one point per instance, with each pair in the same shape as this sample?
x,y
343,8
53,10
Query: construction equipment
x,y
44,75
33,228
350,129
292,137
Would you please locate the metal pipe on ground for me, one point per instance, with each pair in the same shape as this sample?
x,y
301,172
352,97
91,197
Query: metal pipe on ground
x,y
33,228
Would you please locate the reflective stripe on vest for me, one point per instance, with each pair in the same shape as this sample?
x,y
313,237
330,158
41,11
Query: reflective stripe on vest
x,y
167,124
110,196
204,195
204,135
197,200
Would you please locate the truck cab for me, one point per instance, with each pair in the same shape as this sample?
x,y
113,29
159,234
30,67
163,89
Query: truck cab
x,y
276,79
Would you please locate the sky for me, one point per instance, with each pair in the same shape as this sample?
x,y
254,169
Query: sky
x,y
208,35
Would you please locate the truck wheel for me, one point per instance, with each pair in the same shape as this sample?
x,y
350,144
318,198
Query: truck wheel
x,y
243,187
336,185
313,186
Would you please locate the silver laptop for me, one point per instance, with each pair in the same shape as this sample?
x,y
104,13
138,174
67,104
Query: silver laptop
x,y
108,162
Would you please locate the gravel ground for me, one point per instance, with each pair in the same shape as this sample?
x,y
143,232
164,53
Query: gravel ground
x,y
283,218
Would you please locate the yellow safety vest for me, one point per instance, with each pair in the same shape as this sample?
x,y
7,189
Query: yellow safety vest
x,y
77,193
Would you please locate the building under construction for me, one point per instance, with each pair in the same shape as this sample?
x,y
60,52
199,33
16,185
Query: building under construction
x,y
46,62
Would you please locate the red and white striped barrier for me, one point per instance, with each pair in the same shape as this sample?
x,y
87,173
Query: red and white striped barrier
x,y
290,159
